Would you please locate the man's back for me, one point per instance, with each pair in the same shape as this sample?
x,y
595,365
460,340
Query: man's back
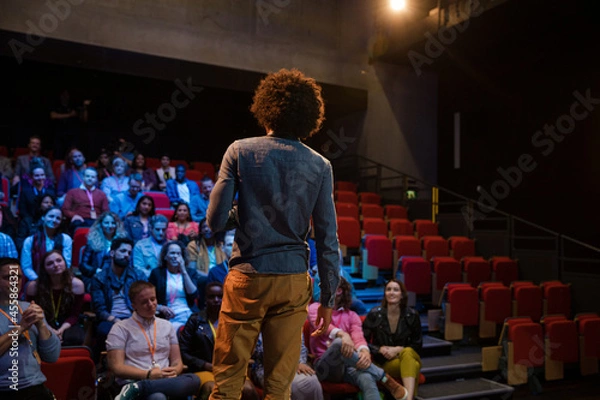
x,y
281,184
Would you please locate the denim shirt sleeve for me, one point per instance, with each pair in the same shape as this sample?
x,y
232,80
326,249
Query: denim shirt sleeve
x,y
221,198
324,219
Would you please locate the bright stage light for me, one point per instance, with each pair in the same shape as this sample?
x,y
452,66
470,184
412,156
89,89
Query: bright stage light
x,y
398,5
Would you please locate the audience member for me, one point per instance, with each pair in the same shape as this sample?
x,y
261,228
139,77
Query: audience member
x,y
7,221
36,343
124,203
165,172
175,283
96,254
28,226
181,226
110,287
31,189
206,187
103,165
48,237
149,178
305,386
83,204
342,353
6,169
137,224
22,163
219,272
7,247
125,150
357,305
146,253
144,354
205,252
72,175
181,189
393,332
197,342
118,182
60,295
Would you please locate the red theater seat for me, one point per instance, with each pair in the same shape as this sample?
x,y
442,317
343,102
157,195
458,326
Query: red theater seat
x,y
346,210
395,211
371,211
505,270
495,306
556,298
205,169
434,246
561,345
461,246
377,255
527,300
405,246
346,197
461,309
424,227
476,270
167,212
346,186
369,197
400,226
161,200
79,241
374,226
525,348
588,326
348,233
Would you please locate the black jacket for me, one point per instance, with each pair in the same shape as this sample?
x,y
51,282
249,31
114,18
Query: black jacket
x,y
197,342
158,277
376,329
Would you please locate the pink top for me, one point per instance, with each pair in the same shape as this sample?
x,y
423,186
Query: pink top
x,y
173,231
345,320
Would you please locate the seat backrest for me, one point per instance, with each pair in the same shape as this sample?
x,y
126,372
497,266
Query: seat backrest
x,y
407,246
379,249
369,197
506,269
417,274
346,186
562,337
71,377
371,210
465,305
161,200
374,226
477,270
79,241
446,269
461,246
167,212
194,175
558,298
434,246
6,190
399,226
344,196
395,211
346,210
205,168
529,301
497,302
528,343
425,227
349,232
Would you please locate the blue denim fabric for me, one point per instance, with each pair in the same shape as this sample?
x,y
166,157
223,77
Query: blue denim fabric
x,y
281,184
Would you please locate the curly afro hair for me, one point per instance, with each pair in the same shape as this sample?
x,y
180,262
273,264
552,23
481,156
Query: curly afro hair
x,y
288,102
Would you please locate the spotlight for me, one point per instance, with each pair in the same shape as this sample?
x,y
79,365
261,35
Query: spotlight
x,y
397,5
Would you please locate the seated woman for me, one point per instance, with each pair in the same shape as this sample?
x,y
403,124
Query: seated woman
x,y
197,341
47,237
28,226
205,251
305,386
394,335
36,343
175,284
342,353
137,224
60,295
181,226
143,352
96,254
118,182
31,189
150,181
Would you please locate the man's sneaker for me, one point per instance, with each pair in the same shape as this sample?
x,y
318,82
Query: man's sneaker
x,y
128,392
396,390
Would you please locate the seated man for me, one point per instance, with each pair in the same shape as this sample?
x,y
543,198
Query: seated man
x,y
219,272
146,252
7,247
22,165
181,189
111,285
206,187
165,172
123,204
72,176
342,353
84,204
143,352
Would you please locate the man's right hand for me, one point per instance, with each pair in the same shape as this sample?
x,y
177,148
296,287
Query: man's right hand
x,y
323,319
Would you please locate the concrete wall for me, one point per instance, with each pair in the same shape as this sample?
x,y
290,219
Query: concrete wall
x,y
324,38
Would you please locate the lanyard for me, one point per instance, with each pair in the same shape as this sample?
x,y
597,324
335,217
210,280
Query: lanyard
x,y
77,174
25,333
90,198
55,308
151,347
212,328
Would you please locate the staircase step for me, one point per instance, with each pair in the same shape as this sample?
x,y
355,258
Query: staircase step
x,y
434,347
479,388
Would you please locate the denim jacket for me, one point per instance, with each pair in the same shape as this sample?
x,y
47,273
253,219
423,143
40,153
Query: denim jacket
x,y
282,183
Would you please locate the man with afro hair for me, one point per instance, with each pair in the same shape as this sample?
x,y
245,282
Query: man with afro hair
x,y
279,184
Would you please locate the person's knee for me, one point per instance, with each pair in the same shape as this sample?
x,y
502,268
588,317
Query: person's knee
x,y
206,389
366,381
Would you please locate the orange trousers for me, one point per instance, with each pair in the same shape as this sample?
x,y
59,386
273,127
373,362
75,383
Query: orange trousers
x,y
273,304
